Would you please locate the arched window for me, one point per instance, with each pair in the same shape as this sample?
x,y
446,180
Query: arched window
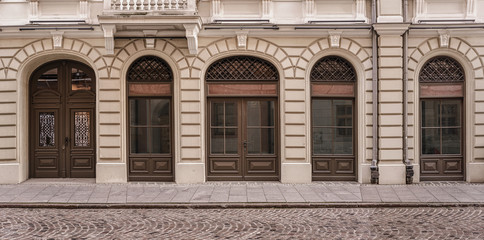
x,y
442,69
441,127
333,69
242,68
149,80
149,69
333,81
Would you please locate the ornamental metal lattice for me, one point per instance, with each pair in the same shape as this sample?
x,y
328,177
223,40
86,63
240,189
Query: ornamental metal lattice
x,y
81,129
333,69
47,130
149,69
242,68
440,70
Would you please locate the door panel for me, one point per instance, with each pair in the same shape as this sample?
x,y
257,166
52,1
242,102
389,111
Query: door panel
x,y
62,122
242,141
80,142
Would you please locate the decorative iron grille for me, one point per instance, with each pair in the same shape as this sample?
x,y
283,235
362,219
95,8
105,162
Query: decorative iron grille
x,y
333,69
149,69
242,68
47,129
81,129
442,69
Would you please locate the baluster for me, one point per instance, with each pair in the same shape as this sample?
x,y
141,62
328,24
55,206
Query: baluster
x,y
155,5
177,3
120,4
149,4
162,5
128,4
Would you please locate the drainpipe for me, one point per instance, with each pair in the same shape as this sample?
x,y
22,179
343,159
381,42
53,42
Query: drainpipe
x,y
375,175
408,165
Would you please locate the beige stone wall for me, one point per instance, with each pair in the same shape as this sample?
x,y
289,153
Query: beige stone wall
x,y
469,52
292,56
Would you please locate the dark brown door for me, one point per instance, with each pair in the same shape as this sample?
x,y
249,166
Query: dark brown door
x,y
150,149
62,121
333,152
441,156
243,139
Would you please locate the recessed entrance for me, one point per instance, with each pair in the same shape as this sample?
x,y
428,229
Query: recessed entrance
x,y
333,81
150,149
243,130
441,120
62,117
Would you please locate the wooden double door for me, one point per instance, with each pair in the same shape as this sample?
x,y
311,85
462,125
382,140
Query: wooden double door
x,y
62,130
243,139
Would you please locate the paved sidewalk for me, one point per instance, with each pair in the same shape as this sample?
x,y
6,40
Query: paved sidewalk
x,y
84,192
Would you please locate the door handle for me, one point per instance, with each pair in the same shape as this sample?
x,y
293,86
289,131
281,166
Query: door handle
x,y
66,141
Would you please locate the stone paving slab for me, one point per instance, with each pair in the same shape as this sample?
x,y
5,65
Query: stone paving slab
x,y
87,192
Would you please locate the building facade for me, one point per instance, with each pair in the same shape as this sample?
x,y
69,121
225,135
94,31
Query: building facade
x,y
185,91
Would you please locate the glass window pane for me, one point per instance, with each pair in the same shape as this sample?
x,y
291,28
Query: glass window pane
x,y
217,140
139,140
260,113
254,113
160,140
430,113
254,140
230,114
343,141
431,141
138,112
322,140
267,141
48,80
231,141
451,141
451,113
217,118
47,129
343,112
321,112
80,80
160,112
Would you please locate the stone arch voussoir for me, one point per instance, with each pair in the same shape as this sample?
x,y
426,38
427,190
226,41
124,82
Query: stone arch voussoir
x,y
46,46
254,45
346,44
455,44
132,47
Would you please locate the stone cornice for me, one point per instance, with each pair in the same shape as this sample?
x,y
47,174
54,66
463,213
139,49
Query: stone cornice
x,y
391,29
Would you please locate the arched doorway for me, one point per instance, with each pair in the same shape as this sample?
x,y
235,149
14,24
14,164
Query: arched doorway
x,y
243,142
62,121
333,82
442,82
150,120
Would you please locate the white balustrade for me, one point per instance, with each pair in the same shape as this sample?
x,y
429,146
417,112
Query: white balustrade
x,y
151,5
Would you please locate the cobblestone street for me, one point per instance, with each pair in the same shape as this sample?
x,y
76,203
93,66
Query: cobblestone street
x,y
310,223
